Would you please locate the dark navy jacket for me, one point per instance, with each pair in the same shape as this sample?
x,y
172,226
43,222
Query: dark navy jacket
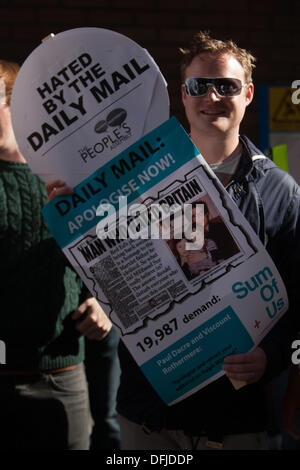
x,y
269,199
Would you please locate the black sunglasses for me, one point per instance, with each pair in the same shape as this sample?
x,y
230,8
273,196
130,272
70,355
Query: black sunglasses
x,y
223,86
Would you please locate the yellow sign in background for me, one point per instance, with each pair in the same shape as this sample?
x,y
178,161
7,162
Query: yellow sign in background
x,y
284,115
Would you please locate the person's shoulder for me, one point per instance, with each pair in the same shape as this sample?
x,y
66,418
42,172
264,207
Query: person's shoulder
x,y
257,157
266,168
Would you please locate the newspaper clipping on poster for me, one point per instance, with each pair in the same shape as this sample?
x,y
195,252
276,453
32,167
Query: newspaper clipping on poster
x,y
180,312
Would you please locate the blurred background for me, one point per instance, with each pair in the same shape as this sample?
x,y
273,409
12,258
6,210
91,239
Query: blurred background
x,y
271,33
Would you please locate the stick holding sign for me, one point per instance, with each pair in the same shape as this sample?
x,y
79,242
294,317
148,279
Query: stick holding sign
x,y
50,36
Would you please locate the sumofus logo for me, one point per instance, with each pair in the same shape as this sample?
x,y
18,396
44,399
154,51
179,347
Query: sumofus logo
x,y
2,352
115,131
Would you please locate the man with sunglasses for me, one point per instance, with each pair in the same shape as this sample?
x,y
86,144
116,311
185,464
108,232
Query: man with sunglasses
x,y
217,87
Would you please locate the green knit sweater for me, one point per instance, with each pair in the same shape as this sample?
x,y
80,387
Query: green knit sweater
x,y
38,291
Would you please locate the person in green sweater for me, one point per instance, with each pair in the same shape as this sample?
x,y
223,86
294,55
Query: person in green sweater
x,y
45,314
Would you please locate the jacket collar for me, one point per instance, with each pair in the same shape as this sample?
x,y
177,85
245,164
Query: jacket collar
x,y
249,155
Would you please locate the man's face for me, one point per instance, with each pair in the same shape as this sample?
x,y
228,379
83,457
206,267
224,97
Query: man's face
x,y
213,114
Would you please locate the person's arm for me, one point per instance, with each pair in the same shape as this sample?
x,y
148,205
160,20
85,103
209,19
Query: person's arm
x,y
284,248
90,319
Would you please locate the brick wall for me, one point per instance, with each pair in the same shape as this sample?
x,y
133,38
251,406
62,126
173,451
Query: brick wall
x,y
270,31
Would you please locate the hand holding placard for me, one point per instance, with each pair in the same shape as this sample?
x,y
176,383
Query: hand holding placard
x,y
243,369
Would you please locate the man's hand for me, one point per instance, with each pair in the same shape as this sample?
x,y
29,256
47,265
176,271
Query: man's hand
x,y
291,404
91,321
57,188
248,367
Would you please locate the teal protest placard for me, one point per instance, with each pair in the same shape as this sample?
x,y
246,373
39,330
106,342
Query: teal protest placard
x,y
179,312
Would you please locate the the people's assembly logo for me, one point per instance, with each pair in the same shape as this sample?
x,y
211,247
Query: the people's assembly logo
x,y
112,131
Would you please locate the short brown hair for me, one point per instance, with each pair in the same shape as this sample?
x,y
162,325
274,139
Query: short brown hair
x,y
8,73
202,43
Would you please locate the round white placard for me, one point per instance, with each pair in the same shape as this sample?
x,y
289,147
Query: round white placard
x,y
81,98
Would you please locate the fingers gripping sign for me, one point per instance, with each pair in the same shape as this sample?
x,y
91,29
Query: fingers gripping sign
x,y
246,368
57,188
91,321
